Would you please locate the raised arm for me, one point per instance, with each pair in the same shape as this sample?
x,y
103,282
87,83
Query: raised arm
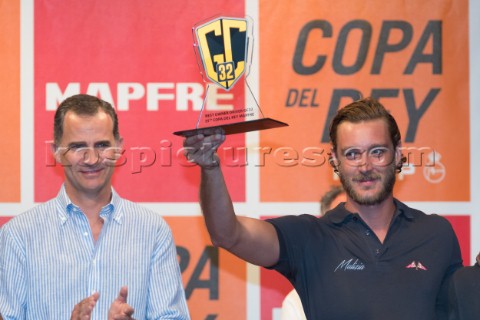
x,y
253,240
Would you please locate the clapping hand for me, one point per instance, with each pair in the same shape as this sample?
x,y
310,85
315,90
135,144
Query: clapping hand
x,y
120,310
83,309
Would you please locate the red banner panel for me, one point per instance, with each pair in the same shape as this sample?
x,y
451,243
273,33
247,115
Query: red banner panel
x,y
4,220
141,59
462,227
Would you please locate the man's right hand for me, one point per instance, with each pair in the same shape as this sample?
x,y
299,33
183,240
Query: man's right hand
x,y
202,148
120,310
83,309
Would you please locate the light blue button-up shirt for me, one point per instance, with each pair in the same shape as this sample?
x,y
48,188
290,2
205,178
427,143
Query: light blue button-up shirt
x,y
49,262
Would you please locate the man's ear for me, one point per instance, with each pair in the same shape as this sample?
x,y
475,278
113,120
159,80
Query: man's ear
x,y
119,143
118,149
398,155
55,152
333,160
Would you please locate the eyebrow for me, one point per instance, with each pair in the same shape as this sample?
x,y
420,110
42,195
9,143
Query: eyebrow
x,y
369,147
84,143
103,142
76,143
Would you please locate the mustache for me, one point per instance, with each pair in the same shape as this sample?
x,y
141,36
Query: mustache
x,y
366,177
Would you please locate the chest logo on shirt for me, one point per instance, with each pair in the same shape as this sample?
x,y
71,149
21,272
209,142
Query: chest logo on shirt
x,y
350,265
416,265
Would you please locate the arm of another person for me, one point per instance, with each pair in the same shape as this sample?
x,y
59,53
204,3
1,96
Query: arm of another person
x,y
292,308
253,240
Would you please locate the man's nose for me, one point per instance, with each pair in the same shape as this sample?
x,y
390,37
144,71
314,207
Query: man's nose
x,y
366,164
91,156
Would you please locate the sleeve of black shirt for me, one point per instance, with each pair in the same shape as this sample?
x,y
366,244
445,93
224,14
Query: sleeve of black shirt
x,y
443,303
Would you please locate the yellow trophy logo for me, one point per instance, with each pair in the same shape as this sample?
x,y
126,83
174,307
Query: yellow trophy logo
x,y
223,49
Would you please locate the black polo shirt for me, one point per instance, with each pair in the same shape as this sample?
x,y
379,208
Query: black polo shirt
x,y
465,294
342,271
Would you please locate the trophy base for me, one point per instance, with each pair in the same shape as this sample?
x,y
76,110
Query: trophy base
x,y
239,127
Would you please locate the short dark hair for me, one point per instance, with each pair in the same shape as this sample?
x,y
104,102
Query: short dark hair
x,y
82,104
364,110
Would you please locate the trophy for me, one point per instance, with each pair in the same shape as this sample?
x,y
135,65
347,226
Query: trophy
x,y
223,47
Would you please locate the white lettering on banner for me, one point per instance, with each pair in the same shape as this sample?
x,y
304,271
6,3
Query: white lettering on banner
x,y
129,91
100,89
54,95
189,92
185,95
213,97
154,94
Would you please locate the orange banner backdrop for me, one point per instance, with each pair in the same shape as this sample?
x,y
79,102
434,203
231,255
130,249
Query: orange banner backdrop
x,y
214,280
317,56
10,93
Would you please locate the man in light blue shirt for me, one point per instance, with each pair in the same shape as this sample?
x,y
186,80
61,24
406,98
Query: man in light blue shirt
x,y
88,253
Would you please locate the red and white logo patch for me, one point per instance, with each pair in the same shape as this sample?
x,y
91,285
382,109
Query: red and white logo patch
x,y
417,265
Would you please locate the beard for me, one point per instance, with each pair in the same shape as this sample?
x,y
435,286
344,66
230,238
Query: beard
x,y
385,191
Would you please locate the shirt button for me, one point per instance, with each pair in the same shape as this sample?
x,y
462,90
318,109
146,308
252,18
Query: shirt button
x,y
377,251
85,233
367,233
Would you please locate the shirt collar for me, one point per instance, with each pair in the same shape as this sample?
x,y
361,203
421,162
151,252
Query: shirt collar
x,y
113,210
339,214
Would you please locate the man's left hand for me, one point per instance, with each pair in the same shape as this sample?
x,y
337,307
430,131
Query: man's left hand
x,y
120,310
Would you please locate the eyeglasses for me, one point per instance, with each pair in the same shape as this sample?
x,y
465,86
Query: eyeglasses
x,y
97,153
377,156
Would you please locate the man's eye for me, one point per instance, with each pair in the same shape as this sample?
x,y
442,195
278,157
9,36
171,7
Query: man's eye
x,y
75,146
352,154
377,152
102,145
